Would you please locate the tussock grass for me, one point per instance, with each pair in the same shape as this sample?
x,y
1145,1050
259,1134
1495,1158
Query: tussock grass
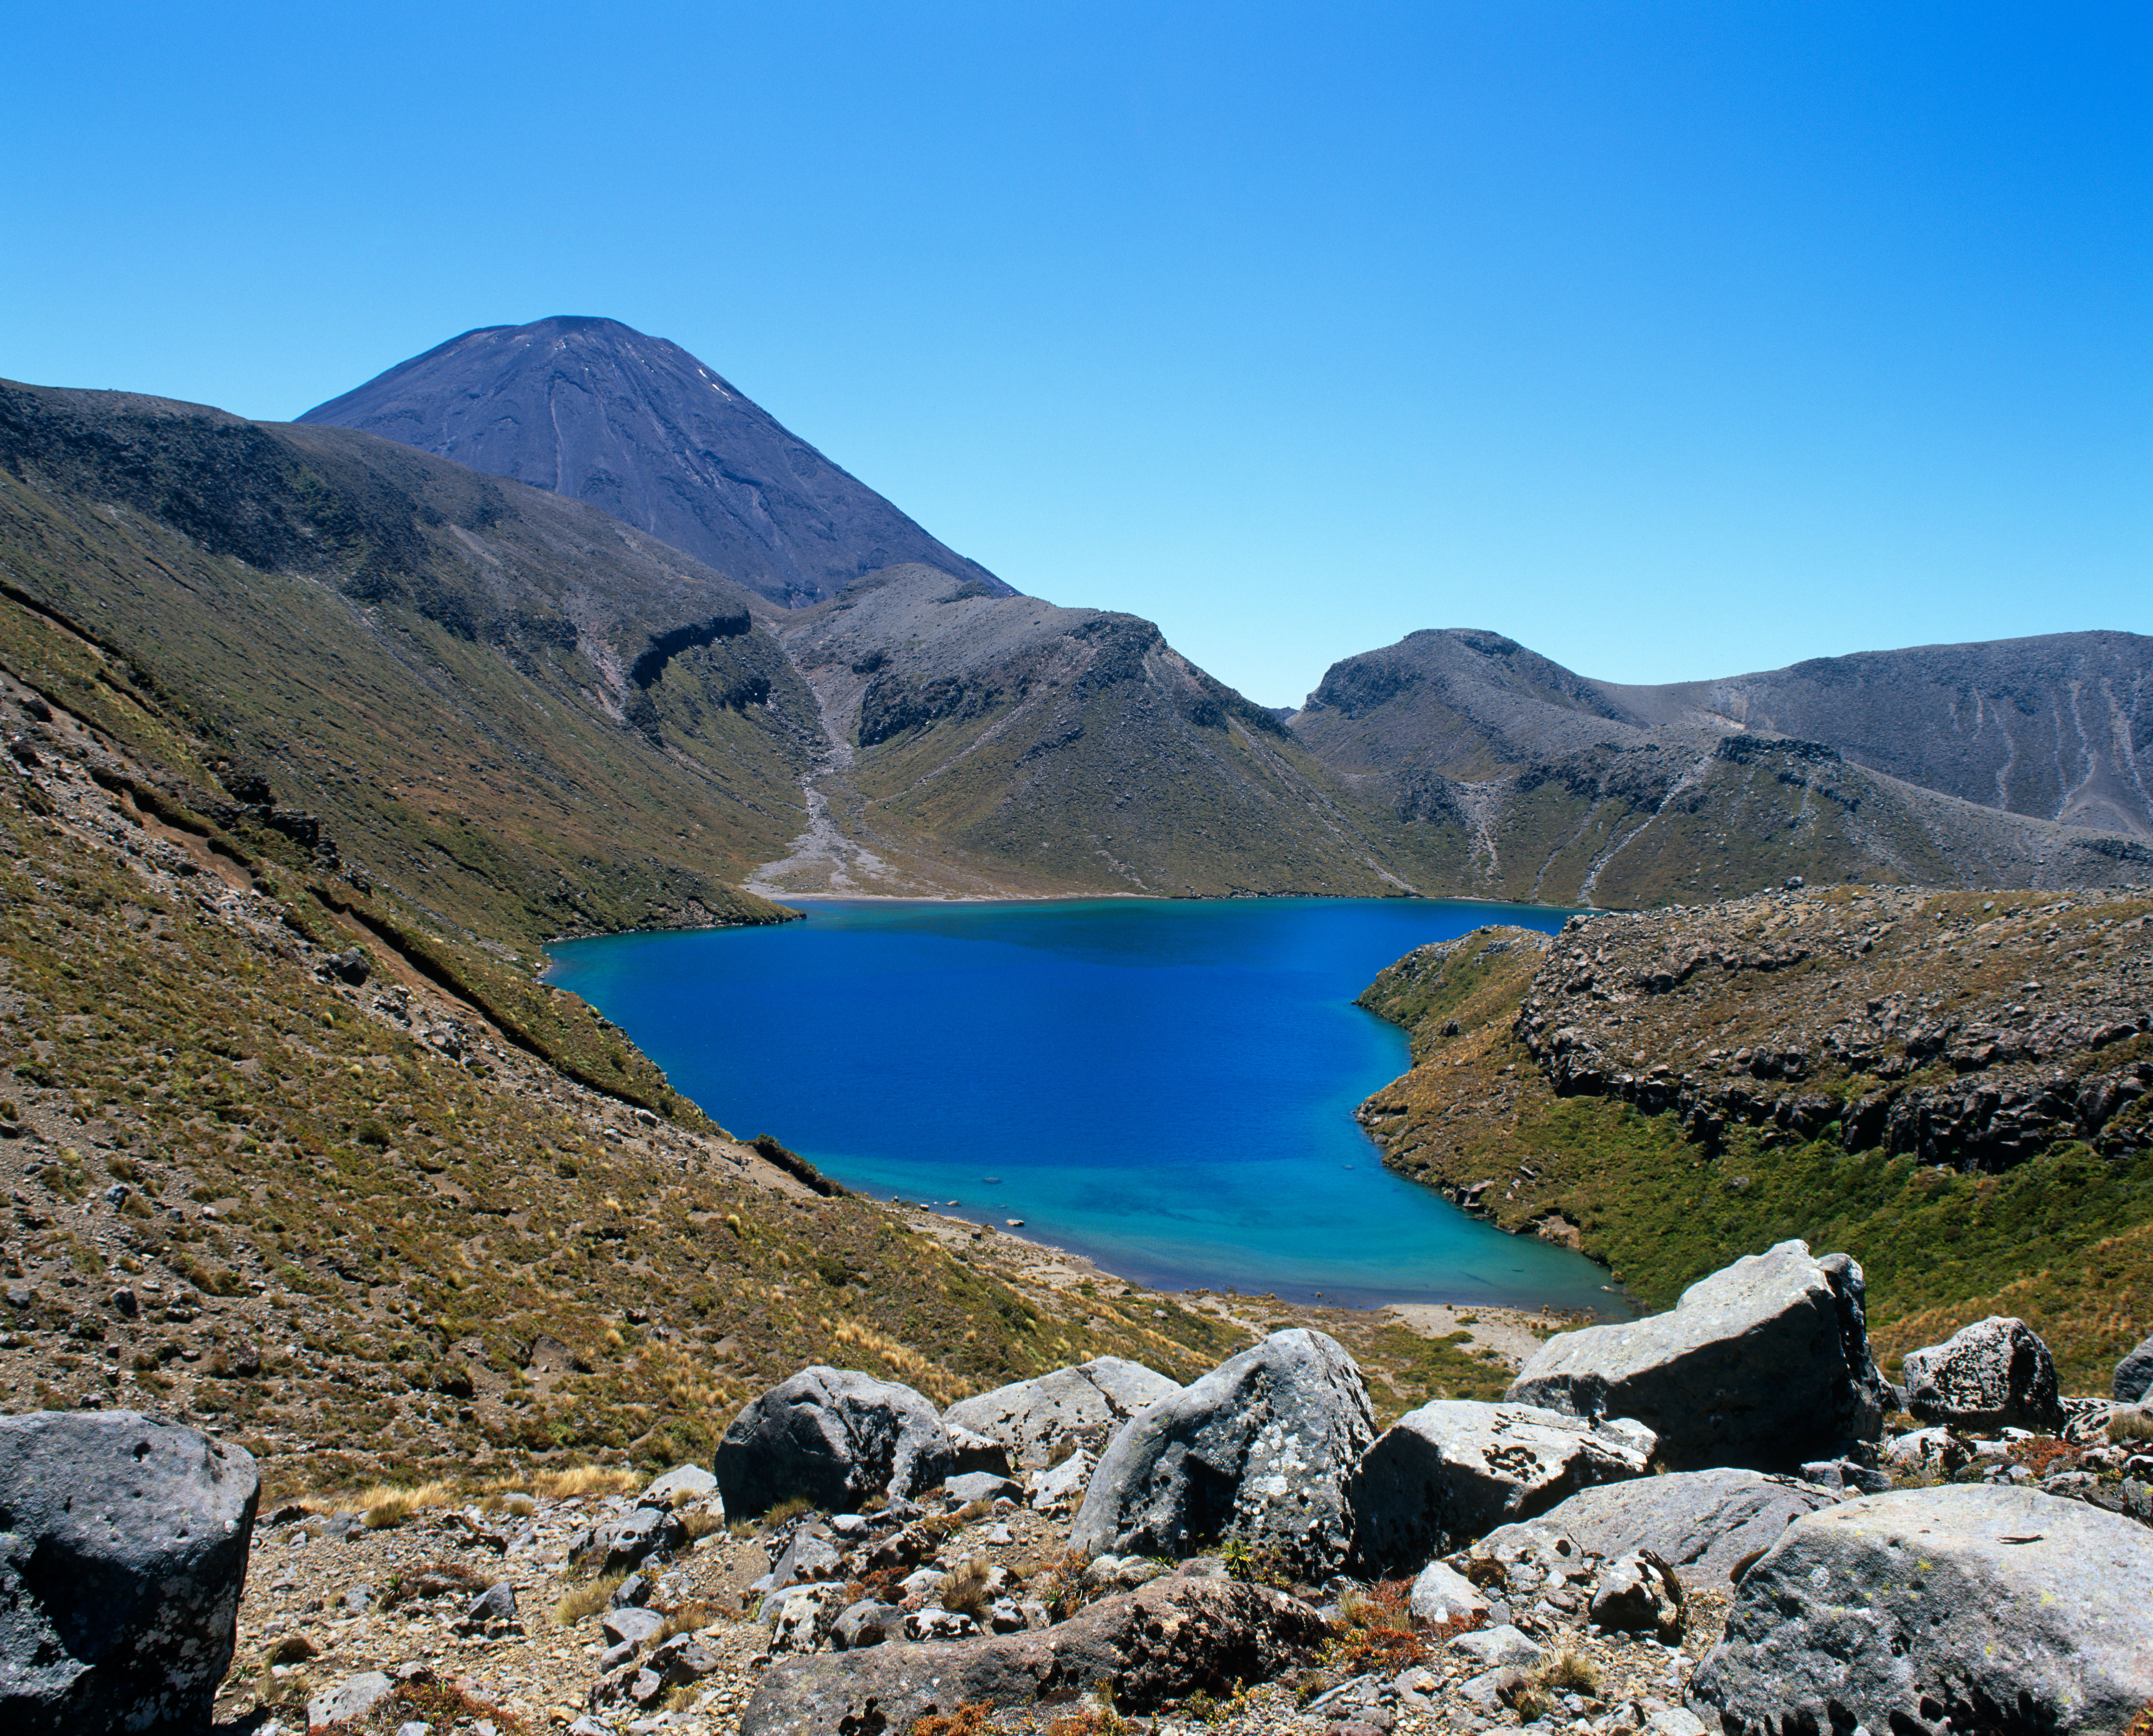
x,y
2134,1425
586,1479
587,1600
386,1506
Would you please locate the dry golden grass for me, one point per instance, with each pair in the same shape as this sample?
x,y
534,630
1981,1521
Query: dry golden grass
x,y
689,1618
586,1600
509,1501
701,1523
2131,1426
586,1479
1570,1671
965,1589
386,1506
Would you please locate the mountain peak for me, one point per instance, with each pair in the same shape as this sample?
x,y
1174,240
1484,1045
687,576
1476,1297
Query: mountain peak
x,y
635,426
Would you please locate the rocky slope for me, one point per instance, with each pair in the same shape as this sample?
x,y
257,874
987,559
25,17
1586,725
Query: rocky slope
x,y
981,742
637,427
2057,727
1485,767
1956,1089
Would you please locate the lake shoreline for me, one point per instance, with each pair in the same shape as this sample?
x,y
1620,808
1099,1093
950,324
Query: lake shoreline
x,y
1507,1331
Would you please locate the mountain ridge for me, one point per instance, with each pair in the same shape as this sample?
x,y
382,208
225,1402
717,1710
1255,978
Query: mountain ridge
x,y
636,426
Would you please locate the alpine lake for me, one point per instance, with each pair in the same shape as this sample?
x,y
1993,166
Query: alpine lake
x,y
1166,1086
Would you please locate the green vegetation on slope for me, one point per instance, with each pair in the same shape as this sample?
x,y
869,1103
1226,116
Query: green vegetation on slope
x,y
2060,1234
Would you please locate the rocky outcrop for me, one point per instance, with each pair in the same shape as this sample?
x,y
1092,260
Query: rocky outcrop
x,y
1703,1524
835,1436
1999,1609
2133,1374
1639,1593
1765,1364
1039,1420
1995,1373
1258,1450
1169,1639
1454,1470
123,1552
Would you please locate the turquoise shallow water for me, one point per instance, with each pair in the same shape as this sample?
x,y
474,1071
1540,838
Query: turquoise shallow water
x,y
1165,1086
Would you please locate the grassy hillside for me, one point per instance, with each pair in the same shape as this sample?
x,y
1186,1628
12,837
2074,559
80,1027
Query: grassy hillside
x,y
358,1228
495,711
1954,1089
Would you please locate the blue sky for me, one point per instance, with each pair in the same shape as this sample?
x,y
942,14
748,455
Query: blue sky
x,y
1672,339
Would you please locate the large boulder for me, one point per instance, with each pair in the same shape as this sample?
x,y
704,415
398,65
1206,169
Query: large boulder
x,y
1259,1450
1993,1374
123,1552
831,1436
1455,1470
1171,1638
1764,1364
1039,1420
2133,1374
1704,1524
2000,1608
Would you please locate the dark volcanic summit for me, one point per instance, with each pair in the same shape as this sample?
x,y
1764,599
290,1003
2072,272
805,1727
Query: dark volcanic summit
x,y
638,427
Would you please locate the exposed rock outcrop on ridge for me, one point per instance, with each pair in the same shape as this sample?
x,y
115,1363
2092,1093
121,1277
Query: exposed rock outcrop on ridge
x,y
1258,1450
1166,1640
1455,1470
1703,1524
1039,1420
1995,1373
1765,1363
123,1551
2000,1609
834,1436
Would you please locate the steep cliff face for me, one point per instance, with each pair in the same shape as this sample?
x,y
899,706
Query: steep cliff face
x,y
637,427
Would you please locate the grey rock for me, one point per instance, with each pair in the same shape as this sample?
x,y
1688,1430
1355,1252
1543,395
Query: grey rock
x,y
123,1549
1261,1448
353,1696
799,1619
970,1452
921,1582
1038,1420
682,1484
1701,1523
1455,1470
867,1622
622,1544
979,1486
1495,1648
2133,1374
1764,1363
631,1627
613,1656
1849,1475
631,1593
810,1556
1160,1643
1007,1616
1926,1449
497,1603
1996,1374
2001,1608
940,1624
414,1727
1063,1485
1442,1595
834,1436
1639,1593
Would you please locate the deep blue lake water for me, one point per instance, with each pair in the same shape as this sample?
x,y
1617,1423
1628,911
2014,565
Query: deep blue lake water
x,y
1165,1086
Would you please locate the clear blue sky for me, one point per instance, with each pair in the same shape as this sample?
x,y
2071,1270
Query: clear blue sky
x,y
1672,339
